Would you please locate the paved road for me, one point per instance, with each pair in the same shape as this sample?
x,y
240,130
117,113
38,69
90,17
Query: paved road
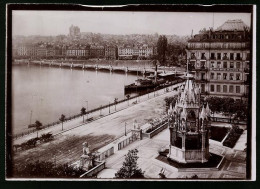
x,y
147,107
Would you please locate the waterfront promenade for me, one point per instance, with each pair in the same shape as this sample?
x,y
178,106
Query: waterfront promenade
x,y
67,145
139,108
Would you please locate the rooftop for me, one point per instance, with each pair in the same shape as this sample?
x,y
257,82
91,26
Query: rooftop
x,y
233,25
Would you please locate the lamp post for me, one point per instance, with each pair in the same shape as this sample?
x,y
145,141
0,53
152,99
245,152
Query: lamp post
x,y
125,128
87,109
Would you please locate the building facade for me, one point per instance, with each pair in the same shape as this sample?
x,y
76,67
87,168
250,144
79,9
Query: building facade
x,y
220,60
125,52
97,51
77,51
110,52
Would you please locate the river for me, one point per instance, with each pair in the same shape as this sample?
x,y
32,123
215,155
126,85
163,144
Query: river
x,y
44,93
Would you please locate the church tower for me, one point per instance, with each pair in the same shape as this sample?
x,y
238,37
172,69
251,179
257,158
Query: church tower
x,y
189,124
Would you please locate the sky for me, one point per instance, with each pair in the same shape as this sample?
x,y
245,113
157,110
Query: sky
x,y
167,23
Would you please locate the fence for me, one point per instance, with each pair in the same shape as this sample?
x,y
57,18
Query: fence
x,y
45,126
155,131
228,120
106,154
92,172
126,142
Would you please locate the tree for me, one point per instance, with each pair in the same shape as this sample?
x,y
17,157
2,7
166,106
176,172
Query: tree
x,y
128,96
162,48
170,100
62,119
115,101
38,125
130,168
83,112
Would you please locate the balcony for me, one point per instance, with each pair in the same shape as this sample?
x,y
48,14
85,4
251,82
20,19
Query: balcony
x,y
246,70
202,68
193,57
213,58
203,58
247,82
201,80
224,58
238,58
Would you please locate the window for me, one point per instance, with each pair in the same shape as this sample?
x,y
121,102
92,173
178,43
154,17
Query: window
x,y
218,76
212,55
202,88
231,88
212,76
237,89
224,76
224,64
225,56
237,76
218,88
203,56
202,76
231,65
231,56
231,75
247,56
224,88
212,88
238,56
238,65
212,64
219,56
218,64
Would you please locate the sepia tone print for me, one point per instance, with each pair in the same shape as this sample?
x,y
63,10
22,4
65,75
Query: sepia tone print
x,y
130,95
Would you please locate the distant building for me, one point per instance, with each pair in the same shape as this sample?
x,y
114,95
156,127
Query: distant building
x,y
22,50
125,52
58,51
50,51
74,31
110,52
77,51
146,51
41,51
220,59
97,51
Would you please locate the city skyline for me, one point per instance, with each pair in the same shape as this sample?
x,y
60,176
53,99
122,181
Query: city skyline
x,y
38,22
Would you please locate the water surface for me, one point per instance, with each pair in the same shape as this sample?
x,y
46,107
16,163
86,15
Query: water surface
x,y
44,93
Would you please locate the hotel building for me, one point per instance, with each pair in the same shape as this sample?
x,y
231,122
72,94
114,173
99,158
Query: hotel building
x,y
220,59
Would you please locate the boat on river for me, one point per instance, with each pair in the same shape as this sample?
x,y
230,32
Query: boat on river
x,y
153,82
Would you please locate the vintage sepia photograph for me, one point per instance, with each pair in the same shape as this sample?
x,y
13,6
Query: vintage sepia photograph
x,y
130,93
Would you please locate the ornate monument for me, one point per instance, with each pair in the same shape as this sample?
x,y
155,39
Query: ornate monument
x,y
189,124
86,159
